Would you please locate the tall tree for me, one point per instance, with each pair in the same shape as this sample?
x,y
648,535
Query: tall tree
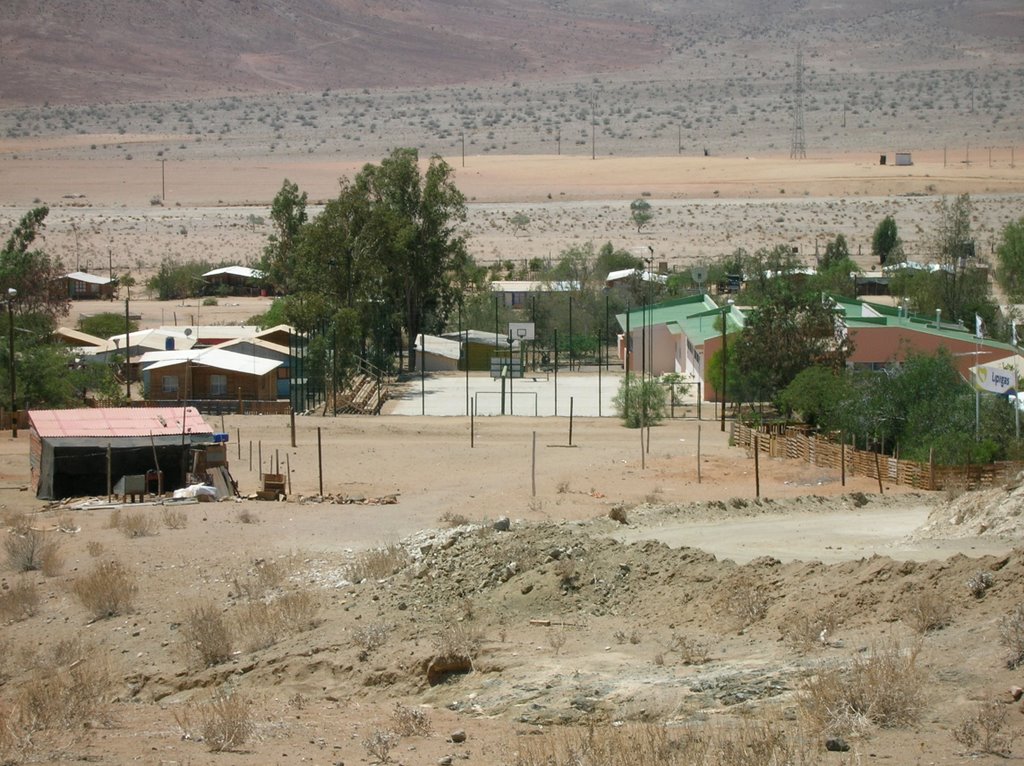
x,y
33,273
885,242
1010,260
288,213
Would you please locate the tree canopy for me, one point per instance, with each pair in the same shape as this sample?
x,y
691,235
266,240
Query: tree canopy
x,y
33,273
885,242
1010,259
384,258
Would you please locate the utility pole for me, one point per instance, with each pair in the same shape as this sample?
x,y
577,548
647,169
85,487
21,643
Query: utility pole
x,y
163,185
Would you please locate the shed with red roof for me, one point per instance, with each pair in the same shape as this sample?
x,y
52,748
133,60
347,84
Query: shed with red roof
x,y
68,450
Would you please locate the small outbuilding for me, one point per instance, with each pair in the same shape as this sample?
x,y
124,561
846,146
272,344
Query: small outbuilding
x,y
75,453
234,280
83,286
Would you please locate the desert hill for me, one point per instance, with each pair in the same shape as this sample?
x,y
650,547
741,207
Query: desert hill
x,y
120,50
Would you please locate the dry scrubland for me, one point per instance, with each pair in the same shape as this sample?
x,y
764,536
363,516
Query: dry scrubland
x,y
249,632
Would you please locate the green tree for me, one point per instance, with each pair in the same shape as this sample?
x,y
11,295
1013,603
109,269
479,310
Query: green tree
x,y
885,242
959,286
641,213
640,402
106,324
785,335
1010,260
820,396
519,222
835,251
33,273
610,259
288,215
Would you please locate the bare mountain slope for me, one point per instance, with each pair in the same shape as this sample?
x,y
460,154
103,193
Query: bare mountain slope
x,y
114,50
123,49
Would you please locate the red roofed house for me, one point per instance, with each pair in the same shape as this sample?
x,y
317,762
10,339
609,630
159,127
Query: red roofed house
x,y
68,448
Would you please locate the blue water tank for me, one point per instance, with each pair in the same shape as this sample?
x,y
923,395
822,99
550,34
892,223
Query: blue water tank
x,y
168,343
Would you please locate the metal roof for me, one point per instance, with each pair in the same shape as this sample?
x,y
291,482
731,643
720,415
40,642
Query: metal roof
x,y
214,357
236,271
92,279
118,422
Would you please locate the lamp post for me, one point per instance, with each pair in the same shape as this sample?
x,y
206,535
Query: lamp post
x,y
11,295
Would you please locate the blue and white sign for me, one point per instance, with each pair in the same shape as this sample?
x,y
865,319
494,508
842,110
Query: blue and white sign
x,y
995,379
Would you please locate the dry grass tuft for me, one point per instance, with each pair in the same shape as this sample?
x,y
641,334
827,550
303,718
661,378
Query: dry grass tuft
x,y
804,632
457,640
32,550
380,743
410,721
748,601
263,577
19,602
134,524
259,625
108,590
756,743
174,518
224,724
207,634
983,730
378,563
1011,635
927,611
882,688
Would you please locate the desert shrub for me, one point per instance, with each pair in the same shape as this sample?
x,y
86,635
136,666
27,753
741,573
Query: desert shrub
x,y
927,611
454,519
380,743
410,721
457,640
262,624
378,563
108,590
803,632
174,518
264,576
690,650
640,402
622,637
747,601
17,521
134,524
754,743
979,583
1011,635
881,688
565,571
224,723
207,635
95,548
19,602
982,730
67,686
371,636
33,550
618,513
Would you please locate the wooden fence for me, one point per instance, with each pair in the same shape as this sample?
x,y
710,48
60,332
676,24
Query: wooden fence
x,y
797,444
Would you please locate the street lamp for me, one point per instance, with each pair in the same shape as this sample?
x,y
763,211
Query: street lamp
x,y
11,295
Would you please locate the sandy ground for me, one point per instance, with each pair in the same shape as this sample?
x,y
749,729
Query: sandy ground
x,y
217,210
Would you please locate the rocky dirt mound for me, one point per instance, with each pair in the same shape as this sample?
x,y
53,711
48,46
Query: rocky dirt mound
x,y
995,513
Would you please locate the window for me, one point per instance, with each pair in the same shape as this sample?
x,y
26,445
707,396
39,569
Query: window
x,y
218,385
169,384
